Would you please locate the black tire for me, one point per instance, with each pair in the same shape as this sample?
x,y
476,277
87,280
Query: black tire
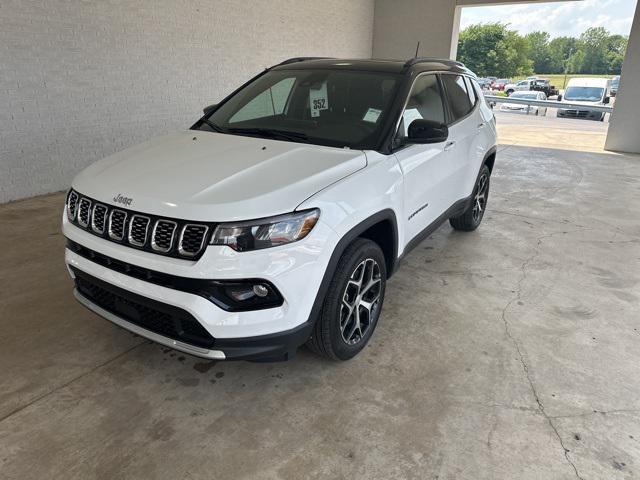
x,y
509,92
471,218
327,338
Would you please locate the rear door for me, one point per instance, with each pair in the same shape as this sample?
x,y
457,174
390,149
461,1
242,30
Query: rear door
x,y
465,124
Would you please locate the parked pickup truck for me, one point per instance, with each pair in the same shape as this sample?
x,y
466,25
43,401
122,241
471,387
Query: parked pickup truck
x,y
545,86
535,84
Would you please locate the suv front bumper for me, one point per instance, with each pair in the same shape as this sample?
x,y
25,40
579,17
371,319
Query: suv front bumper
x,y
296,271
580,113
278,346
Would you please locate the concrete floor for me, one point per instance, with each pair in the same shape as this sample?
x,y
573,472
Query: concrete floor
x,y
509,353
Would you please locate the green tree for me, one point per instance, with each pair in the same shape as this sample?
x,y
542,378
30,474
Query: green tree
x,y
616,48
594,43
492,49
576,61
540,52
560,51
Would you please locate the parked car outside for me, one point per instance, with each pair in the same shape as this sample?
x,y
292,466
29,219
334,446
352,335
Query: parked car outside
x,y
278,217
484,83
545,86
587,92
526,109
520,86
500,83
615,83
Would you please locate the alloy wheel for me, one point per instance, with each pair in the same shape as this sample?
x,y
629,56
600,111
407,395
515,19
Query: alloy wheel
x,y
360,301
480,200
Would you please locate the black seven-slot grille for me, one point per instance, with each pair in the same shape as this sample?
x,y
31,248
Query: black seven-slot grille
x,y
166,320
166,236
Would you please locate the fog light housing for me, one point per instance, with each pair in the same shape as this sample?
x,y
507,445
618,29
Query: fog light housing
x,y
242,295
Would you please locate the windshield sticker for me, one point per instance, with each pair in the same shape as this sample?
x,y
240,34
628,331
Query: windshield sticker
x,y
372,115
318,99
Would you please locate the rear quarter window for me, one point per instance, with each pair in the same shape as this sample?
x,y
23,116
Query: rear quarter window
x,y
458,97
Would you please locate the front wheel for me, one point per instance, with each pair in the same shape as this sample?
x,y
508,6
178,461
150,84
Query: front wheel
x,y
353,303
471,218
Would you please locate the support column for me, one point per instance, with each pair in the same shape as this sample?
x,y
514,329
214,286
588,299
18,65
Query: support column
x,y
625,119
400,24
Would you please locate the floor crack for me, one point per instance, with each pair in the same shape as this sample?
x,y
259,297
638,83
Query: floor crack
x,y
521,356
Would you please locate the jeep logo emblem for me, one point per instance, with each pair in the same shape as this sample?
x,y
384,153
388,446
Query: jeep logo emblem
x,y
122,200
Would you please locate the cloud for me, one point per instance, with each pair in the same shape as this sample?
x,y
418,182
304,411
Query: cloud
x,y
559,19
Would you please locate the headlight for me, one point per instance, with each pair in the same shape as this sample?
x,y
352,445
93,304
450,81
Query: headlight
x,y
266,232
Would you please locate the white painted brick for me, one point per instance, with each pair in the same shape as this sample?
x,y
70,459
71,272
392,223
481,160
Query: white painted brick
x,y
82,79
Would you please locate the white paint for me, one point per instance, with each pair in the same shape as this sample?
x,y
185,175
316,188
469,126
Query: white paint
x,y
80,80
222,177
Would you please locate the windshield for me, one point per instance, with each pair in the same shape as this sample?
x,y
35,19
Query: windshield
x,y
338,108
584,94
530,96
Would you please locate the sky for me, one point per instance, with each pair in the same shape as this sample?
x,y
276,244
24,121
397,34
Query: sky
x,y
559,18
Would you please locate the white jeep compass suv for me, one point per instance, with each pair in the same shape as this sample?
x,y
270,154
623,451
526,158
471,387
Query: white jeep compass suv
x,y
279,216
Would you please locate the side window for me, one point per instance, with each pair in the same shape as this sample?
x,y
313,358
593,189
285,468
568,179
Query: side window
x,y
270,102
425,102
457,96
471,91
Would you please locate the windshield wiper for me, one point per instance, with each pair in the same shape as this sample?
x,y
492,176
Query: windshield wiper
x,y
213,126
273,133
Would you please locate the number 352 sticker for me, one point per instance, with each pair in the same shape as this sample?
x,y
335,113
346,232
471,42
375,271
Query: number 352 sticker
x,y
318,100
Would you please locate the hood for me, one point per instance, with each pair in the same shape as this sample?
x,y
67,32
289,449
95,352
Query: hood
x,y
215,177
582,102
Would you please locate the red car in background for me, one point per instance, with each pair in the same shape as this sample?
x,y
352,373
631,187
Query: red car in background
x,y
500,83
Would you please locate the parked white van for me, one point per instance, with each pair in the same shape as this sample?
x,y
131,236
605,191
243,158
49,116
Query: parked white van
x,y
585,91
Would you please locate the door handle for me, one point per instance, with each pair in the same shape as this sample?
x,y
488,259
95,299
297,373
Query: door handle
x,y
480,125
449,145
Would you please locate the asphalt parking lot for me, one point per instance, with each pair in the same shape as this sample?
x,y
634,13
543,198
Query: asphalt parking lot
x,y
550,120
551,132
510,352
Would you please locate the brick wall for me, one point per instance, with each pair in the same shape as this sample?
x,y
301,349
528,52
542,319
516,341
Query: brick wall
x,y
81,79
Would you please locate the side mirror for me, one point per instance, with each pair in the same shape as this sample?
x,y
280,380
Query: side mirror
x,y
559,97
209,109
426,131
606,100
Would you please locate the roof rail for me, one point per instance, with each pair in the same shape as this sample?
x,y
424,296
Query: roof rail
x,y
413,61
302,59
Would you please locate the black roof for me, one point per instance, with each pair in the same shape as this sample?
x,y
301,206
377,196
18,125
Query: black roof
x,y
419,64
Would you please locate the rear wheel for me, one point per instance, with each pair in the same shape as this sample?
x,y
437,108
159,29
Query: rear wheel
x,y
353,303
471,218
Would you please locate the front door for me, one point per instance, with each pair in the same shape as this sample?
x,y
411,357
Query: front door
x,y
426,168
